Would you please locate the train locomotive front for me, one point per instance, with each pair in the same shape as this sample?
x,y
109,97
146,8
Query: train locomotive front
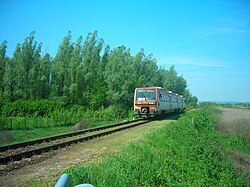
x,y
145,102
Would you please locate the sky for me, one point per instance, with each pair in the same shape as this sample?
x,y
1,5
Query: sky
x,y
208,41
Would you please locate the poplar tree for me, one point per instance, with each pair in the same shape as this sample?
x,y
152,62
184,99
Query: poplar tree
x,y
12,79
86,72
74,67
26,63
44,77
3,61
92,70
60,69
119,77
35,74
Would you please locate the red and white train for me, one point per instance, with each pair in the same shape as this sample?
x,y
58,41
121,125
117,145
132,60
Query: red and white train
x,y
152,101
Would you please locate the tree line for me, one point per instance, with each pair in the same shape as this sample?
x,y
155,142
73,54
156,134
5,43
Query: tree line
x,y
86,72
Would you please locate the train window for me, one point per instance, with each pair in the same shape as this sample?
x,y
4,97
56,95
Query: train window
x,y
173,99
150,95
144,95
140,95
168,99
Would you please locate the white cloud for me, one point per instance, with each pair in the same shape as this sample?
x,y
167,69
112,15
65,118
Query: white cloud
x,y
181,60
223,30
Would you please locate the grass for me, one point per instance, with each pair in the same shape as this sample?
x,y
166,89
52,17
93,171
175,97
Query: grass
x,y
188,152
107,145
16,136
235,124
234,129
21,135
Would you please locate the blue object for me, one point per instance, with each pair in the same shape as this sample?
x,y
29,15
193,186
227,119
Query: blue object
x,y
63,181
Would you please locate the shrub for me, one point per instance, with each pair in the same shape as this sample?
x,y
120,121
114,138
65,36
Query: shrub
x,y
30,108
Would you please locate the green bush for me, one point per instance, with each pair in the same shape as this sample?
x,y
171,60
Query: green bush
x,y
31,108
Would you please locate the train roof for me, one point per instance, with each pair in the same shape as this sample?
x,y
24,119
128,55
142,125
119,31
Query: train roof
x,y
149,88
160,88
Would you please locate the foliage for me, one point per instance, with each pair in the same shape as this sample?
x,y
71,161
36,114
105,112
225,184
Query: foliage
x,y
85,72
16,129
35,108
28,115
180,154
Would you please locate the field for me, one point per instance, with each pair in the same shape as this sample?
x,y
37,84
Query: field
x,y
28,120
235,122
189,152
234,127
46,173
47,127
195,150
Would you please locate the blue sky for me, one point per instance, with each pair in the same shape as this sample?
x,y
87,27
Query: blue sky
x,y
208,41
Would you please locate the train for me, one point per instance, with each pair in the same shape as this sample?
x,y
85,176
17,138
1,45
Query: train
x,y
156,101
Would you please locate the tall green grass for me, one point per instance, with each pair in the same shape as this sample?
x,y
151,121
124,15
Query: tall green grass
x,y
185,153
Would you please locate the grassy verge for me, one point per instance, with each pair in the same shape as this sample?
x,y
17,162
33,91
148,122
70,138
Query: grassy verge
x,y
21,135
188,152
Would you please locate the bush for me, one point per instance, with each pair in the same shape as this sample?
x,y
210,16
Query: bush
x,y
31,108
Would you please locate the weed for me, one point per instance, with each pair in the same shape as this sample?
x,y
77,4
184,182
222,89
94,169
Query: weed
x,y
6,137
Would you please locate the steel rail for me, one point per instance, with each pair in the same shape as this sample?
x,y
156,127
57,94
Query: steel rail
x,y
28,154
51,138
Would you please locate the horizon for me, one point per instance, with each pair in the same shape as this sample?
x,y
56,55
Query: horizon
x,y
208,42
226,102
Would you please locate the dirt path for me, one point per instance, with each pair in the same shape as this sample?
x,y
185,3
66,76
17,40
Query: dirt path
x,y
80,154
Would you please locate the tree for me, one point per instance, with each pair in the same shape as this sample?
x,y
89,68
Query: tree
x,y
75,62
181,85
190,100
171,79
93,67
120,78
28,61
44,77
161,77
13,79
3,61
173,82
60,68
193,101
21,80
85,72
35,75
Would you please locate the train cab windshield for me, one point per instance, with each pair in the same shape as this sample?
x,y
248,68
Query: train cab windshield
x,y
145,95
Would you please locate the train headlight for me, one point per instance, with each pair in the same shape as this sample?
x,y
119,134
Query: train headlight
x,y
151,102
139,103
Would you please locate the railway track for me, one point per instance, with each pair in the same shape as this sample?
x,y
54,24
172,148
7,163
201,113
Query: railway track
x,y
19,151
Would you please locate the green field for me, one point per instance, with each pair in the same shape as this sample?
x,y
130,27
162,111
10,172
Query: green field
x,y
189,152
45,127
